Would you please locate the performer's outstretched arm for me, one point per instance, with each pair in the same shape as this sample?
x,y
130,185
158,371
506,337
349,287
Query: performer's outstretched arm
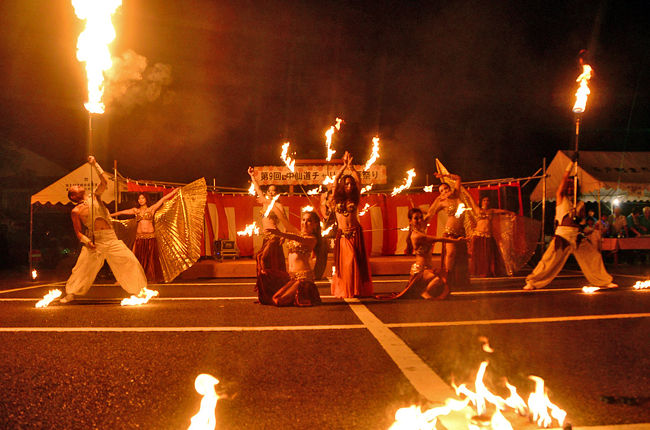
x,y
103,182
258,191
159,203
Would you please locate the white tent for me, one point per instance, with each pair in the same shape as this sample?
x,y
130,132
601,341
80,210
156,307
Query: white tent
x,y
602,175
58,191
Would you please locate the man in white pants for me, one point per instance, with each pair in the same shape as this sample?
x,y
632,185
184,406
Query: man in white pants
x,y
567,242
104,246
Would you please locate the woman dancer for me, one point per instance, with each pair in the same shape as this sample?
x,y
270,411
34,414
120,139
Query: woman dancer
x,y
145,247
271,255
351,277
296,288
486,258
456,257
425,281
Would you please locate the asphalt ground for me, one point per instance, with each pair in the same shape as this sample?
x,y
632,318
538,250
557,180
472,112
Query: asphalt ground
x,y
343,365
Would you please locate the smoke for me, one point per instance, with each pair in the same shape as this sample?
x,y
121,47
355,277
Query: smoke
x,y
132,83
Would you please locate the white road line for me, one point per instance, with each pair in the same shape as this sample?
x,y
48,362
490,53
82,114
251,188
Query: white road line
x,y
157,299
425,380
179,329
520,320
419,374
31,287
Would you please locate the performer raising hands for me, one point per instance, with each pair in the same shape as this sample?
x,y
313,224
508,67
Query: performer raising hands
x,y
351,277
455,258
271,255
145,247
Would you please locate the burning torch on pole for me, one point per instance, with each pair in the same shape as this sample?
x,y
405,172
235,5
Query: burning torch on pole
x,y
578,109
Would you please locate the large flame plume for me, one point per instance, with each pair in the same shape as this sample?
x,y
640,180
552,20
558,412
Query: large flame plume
x,y
583,89
407,183
92,46
270,207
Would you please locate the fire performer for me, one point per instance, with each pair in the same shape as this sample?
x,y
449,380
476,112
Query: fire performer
x,y
425,281
351,277
568,241
145,247
296,288
271,255
102,246
456,257
486,259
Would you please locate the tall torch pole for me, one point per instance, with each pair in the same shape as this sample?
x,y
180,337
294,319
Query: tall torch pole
x,y
578,110
92,49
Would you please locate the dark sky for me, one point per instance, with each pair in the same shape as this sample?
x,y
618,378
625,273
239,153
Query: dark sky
x,y
486,86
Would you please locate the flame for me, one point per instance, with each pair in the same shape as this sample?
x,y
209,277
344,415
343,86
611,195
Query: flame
x,y
142,298
407,228
268,209
363,211
538,402
307,208
375,153
590,290
515,401
313,191
48,298
640,285
328,180
205,419
583,89
486,345
285,157
251,190
326,232
499,422
407,183
34,274
461,209
328,138
92,46
427,188
249,230
365,189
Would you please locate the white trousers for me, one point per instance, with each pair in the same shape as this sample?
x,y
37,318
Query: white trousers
x,y
125,266
553,260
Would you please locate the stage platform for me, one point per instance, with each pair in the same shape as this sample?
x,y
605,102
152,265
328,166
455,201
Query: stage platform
x,y
245,267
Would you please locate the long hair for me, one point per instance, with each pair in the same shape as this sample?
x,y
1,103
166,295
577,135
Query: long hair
x,y
317,232
409,245
339,192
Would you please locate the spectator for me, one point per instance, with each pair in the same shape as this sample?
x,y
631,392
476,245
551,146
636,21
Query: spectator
x,y
645,219
634,226
603,226
618,223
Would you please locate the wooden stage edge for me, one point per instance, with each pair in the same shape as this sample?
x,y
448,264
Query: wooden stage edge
x,y
245,267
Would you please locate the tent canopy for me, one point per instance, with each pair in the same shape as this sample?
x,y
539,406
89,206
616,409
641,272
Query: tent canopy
x,y
602,175
58,191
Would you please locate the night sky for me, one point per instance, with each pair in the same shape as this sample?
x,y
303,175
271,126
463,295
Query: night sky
x,y
485,86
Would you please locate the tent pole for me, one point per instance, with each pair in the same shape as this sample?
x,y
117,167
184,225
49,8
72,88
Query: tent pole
x,y
599,211
31,236
543,202
115,186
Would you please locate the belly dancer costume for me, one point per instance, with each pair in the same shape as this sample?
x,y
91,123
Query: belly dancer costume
x,y
279,288
271,256
457,276
351,277
486,259
145,249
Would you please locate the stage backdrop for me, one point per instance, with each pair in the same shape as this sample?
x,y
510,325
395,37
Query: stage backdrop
x,y
227,214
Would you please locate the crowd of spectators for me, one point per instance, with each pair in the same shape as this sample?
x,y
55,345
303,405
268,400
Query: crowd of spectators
x,y
636,224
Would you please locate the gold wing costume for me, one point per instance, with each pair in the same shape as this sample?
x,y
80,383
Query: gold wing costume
x,y
469,216
179,229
